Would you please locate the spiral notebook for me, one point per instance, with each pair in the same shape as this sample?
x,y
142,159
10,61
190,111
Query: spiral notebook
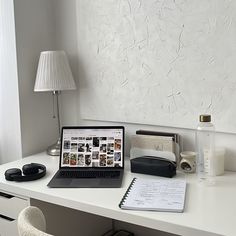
x,y
155,195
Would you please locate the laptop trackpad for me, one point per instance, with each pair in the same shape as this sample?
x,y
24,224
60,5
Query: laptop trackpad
x,y
85,183
95,183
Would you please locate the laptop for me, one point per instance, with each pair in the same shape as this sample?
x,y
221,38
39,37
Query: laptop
x,y
91,157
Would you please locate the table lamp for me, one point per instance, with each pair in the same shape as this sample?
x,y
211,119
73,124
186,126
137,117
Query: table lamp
x,y
54,74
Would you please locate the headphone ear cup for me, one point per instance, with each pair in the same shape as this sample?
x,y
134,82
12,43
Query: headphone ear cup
x,y
10,174
30,169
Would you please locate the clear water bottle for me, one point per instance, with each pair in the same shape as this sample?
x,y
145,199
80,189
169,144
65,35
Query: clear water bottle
x,y
205,148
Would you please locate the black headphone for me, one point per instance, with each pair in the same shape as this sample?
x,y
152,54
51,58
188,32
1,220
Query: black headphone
x,y
31,171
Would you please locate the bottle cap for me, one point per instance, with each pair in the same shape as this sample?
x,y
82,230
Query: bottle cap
x,y
205,118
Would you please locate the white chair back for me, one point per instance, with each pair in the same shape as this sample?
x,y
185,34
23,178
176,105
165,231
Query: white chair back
x,y
31,222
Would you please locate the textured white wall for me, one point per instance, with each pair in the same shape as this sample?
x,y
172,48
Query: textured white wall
x,y
171,60
10,134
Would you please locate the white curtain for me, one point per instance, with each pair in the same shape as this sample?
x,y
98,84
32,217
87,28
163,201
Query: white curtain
x,y
10,134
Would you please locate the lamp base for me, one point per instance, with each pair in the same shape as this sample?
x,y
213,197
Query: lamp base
x,y
55,149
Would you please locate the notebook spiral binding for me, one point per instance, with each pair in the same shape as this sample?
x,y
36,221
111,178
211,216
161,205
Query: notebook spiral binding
x,y
127,192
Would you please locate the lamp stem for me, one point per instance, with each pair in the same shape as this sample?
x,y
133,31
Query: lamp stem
x,y
54,150
58,111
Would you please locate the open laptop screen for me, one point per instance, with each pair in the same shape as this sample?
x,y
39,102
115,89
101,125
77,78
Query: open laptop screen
x,y
92,146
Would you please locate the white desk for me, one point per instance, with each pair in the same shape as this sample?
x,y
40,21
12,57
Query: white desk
x,y
208,210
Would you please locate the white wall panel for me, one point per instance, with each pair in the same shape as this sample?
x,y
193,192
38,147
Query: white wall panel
x,y
10,134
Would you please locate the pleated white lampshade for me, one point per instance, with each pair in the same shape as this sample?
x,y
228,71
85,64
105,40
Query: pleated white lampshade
x,y
54,73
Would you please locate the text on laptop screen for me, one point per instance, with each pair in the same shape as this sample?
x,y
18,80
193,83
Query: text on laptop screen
x,y
92,148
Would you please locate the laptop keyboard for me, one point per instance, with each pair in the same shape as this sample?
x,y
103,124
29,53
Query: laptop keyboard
x,y
89,174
